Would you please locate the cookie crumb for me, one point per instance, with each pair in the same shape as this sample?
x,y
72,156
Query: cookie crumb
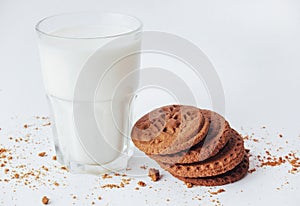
x,y
246,137
106,176
217,192
252,170
46,124
142,184
144,167
154,174
64,168
99,198
54,158
45,168
189,185
25,126
110,186
126,181
42,154
45,200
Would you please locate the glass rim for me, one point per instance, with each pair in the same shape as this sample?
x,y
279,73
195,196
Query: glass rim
x,y
138,28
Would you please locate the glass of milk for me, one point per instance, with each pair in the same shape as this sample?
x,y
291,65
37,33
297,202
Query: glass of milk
x,y
90,66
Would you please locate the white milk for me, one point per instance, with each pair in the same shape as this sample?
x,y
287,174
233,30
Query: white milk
x,y
62,61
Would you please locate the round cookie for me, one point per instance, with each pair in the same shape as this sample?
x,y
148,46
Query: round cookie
x,y
226,178
214,141
169,129
229,157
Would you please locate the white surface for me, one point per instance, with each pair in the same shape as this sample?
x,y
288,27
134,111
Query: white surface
x,y
254,46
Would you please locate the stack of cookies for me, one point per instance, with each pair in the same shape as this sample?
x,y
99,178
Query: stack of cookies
x,y
196,146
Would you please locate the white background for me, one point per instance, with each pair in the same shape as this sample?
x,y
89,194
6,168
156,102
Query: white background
x,y
254,46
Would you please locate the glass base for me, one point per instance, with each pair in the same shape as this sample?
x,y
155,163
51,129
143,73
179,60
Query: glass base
x,y
70,151
75,167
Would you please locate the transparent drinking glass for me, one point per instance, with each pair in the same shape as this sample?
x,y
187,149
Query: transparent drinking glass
x,y
85,58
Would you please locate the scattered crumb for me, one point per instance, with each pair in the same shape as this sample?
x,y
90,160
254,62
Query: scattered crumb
x,y
136,188
45,200
126,181
47,124
217,192
246,137
142,184
280,135
144,167
272,161
25,126
106,176
64,168
154,174
110,186
3,150
252,170
99,198
42,154
188,185
54,158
